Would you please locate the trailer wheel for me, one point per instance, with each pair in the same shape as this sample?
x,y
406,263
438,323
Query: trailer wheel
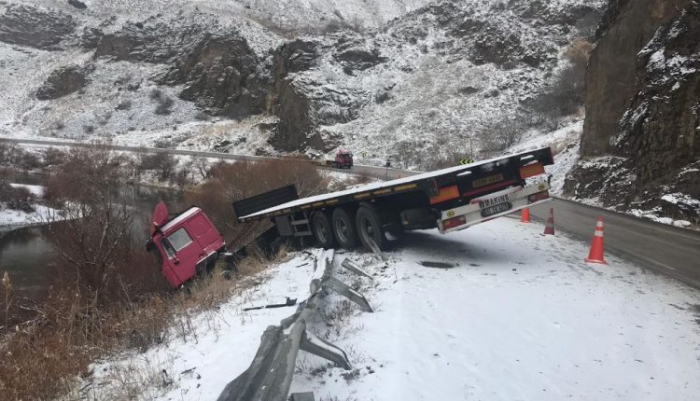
x,y
322,229
344,228
369,227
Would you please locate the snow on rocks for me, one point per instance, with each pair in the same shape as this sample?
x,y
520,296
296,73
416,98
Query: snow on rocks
x,y
520,317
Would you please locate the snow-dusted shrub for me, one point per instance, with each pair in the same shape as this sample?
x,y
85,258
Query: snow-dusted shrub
x,y
165,104
16,198
500,135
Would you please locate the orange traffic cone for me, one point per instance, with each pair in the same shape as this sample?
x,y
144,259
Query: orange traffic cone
x,y
525,216
549,227
596,255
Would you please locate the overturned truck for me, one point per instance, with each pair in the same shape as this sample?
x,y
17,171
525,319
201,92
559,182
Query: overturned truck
x,y
188,244
450,199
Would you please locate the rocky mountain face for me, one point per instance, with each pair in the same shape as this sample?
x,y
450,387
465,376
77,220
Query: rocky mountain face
x,y
421,80
640,148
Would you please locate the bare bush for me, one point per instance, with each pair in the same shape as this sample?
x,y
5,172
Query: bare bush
x,y
53,157
165,105
16,198
566,94
124,105
500,135
16,157
201,165
163,163
232,182
451,159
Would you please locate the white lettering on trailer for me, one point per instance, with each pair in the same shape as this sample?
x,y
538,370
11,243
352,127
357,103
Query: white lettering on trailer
x,y
493,201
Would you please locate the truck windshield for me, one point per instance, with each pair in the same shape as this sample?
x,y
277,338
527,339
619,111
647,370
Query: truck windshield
x,y
176,241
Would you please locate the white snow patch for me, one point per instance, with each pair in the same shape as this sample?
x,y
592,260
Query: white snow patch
x,y
657,61
521,317
37,190
11,219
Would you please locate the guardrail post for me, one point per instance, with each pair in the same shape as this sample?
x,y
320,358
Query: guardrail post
x,y
345,290
376,250
320,347
355,268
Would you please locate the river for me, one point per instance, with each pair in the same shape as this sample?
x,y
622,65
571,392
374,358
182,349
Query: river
x,y
27,255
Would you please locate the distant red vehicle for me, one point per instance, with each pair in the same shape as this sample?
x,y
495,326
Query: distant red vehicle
x,y
343,159
187,244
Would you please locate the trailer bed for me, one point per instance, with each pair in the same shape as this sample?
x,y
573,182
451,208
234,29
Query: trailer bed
x,y
406,184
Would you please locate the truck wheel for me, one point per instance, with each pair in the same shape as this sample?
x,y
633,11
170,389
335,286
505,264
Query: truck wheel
x,y
322,229
369,227
344,228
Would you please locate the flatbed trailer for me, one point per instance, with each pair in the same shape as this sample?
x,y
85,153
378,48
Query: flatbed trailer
x,y
450,199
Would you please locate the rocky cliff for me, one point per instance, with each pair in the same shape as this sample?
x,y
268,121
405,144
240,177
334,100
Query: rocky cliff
x,y
640,149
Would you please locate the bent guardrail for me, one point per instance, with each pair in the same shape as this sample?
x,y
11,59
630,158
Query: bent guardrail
x,y
269,376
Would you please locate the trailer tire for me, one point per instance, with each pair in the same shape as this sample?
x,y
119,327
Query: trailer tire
x,y
344,228
323,230
369,227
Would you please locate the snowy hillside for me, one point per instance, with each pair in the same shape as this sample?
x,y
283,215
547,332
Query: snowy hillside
x,y
503,313
408,80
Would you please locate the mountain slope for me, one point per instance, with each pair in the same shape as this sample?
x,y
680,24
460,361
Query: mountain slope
x,y
411,81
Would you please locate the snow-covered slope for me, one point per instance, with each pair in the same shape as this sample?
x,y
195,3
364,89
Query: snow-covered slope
x,y
503,314
407,79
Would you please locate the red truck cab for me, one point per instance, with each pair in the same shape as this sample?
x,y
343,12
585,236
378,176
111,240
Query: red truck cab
x,y
186,245
343,158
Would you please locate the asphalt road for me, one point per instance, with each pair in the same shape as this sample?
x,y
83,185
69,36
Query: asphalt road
x,y
377,172
664,249
672,251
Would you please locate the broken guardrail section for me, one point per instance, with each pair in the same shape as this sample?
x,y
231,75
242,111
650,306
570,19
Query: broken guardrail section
x,y
269,376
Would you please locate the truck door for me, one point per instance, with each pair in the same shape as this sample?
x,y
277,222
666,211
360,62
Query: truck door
x,y
205,234
183,253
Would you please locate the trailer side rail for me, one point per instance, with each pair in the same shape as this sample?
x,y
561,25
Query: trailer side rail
x,y
429,183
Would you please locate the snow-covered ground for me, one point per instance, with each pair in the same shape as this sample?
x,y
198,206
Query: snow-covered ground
x,y
221,346
11,219
519,316
36,190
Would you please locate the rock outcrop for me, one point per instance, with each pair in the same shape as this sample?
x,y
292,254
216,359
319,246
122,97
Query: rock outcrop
x,y
64,81
610,77
219,71
641,142
35,27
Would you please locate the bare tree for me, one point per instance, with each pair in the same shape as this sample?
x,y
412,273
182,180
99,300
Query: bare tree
x,y
92,231
201,164
501,134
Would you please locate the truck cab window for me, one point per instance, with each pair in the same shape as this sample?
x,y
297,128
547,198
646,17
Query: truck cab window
x,y
168,248
175,242
179,239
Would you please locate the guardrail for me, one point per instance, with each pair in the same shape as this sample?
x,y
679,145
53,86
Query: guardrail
x,y
382,173
269,376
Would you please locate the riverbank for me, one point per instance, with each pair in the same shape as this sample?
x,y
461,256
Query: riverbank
x,y
13,219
